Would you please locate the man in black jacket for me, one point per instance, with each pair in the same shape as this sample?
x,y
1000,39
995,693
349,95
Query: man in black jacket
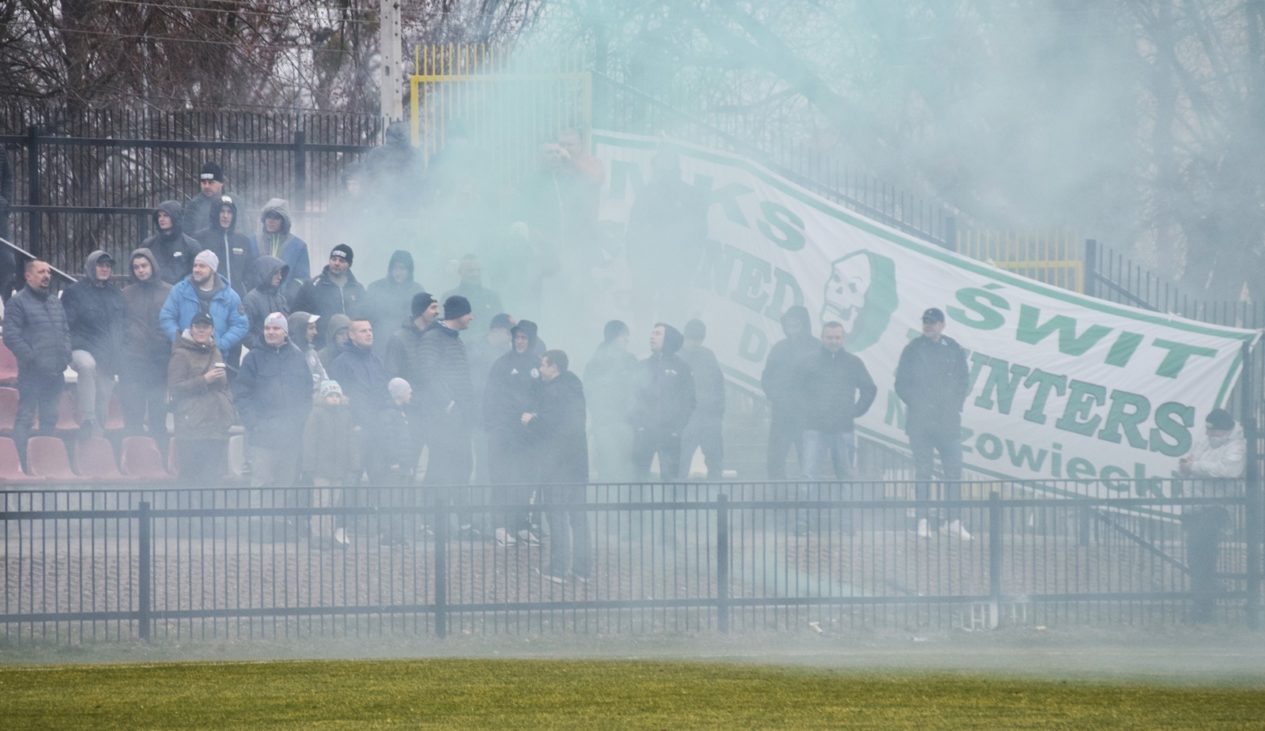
x,y
236,250
35,330
933,381
199,211
608,386
705,426
835,388
332,292
778,381
173,249
273,392
662,404
97,315
448,395
556,423
510,392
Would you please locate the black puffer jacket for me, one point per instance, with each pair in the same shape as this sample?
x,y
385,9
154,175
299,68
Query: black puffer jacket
x,y
558,429
97,316
264,299
932,379
274,392
404,357
388,302
835,388
448,388
784,361
322,296
664,393
35,330
173,249
364,380
709,380
146,348
608,382
511,387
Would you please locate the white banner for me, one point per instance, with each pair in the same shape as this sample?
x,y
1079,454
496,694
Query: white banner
x,y
1063,386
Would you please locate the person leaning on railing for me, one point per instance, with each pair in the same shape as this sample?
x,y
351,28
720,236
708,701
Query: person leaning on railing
x,y
1220,454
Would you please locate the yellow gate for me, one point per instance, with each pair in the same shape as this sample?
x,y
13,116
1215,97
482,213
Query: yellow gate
x,y
1056,258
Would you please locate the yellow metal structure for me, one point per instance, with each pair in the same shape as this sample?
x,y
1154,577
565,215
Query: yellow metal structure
x,y
1056,258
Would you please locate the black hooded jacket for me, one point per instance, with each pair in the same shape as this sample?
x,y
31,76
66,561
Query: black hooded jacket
x,y
388,303
785,359
264,299
173,249
558,431
236,251
322,296
511,387
664,392
933,380
97,316
146,348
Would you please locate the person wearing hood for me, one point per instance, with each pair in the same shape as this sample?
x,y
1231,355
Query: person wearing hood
x,y
663,400
484,303
704,429
335,291
275,239
388,299
236,250
481,354
302,330
608,386
200,210
35,330
97,315
340,335
510,392
202,404
204,291
556,422
778,381
404,360
1219,455
274,392
265,298
331,457
172,248
146,349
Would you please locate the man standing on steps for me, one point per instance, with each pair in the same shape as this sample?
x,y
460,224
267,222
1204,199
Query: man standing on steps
x,y
932,379
334,291
35,330
778,382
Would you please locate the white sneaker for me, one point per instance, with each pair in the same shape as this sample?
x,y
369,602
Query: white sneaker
x,y
526,536
503,538
955,529
924,531
340,537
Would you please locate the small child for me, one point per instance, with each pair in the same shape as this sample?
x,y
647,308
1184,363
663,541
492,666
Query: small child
x,y
331,457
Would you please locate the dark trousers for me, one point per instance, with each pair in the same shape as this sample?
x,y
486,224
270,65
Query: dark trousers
x,y
511,466
448,467
704,430
143,402
568,531
649,442
784,435
201,462
36,392
924,443
1203,528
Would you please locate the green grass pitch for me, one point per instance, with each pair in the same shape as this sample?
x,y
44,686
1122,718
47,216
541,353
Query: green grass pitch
x,y
514,694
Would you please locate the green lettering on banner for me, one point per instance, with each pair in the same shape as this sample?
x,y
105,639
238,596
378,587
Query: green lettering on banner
x,y
1171,434
1003,380
1045,382
726,197
715,267
753,344
1110,474
1024,456
1079,468
1081,399
1123,349
989,446
1178,354
783,283
751,291
1127,412
782,226
984,305
1031,332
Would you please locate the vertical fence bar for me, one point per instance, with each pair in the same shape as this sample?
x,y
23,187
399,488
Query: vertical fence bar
x,y
722,562
145,549
441,573
1253,492
33,199
994,551
1091,267
300,171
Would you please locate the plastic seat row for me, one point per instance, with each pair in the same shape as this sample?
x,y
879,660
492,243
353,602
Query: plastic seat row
x,y
47,459
67,412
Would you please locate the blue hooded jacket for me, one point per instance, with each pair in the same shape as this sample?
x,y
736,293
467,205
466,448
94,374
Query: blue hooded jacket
x,y
225,310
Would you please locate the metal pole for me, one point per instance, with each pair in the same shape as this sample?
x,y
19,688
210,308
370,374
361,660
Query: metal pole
x,y
722,562
143,598
441,573
1252,490
994,551
35,222
1091,267
300,171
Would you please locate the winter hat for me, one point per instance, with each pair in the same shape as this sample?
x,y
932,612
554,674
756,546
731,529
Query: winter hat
x,y
456,306
399,388
202,319
343,251
208,257
501,321
695,330
672,339
211,171
421,301
933,314
528,328
276,319
1220,420
330,388
338,321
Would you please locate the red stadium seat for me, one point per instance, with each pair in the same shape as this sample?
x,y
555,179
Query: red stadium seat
x,y
8,408
67,411
46,457
10,465
114,413
142,460
8,364
94,459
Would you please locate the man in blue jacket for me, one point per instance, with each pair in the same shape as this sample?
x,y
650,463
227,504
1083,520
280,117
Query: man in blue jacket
x,y
205,291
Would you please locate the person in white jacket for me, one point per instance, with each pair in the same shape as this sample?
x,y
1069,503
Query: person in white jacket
x,y
1220,454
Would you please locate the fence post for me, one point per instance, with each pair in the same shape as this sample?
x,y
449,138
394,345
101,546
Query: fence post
x,y
994,551
144,571
951,233
441,572
35,222
722,562
1252,489
300,171
1091,268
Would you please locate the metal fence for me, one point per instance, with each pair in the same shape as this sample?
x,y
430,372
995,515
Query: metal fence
x,y
83,565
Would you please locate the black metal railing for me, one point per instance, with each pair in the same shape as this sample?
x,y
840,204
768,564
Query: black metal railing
x,y
83,565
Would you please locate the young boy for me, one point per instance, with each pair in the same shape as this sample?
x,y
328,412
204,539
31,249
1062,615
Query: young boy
x,y
331,458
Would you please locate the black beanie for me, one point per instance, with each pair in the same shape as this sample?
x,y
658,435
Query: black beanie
x,y
344,251
421,301
456,306
695,330
672,339
1220,419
